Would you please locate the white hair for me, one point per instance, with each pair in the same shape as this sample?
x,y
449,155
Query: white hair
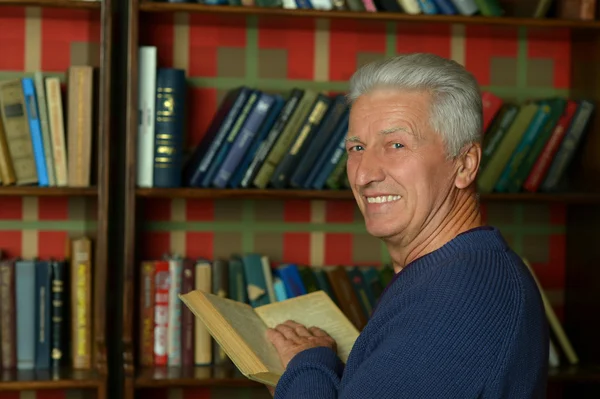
x,y
456,109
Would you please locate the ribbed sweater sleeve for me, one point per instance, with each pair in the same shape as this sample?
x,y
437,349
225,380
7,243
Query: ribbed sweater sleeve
x,y
449,333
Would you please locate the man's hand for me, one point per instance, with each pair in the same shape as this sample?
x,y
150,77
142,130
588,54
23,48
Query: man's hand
x,y
291,338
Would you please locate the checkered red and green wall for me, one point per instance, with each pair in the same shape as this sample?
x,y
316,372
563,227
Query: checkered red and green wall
x,y
220,53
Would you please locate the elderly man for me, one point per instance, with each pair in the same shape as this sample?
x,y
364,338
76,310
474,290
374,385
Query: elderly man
x,y
463,317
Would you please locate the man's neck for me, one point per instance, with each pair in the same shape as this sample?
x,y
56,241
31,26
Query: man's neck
x,y
462,216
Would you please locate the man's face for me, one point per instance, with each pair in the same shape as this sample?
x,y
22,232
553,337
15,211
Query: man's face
x,y
397,165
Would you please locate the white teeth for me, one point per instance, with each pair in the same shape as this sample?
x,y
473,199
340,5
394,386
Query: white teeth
x,y
383,198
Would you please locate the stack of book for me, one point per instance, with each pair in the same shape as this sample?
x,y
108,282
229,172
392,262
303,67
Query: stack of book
x,y
46,311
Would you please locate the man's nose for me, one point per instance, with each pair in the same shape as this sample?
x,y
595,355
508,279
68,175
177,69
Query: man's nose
x,y
370,168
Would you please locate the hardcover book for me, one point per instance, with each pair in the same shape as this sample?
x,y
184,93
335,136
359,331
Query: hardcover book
x,y
241,330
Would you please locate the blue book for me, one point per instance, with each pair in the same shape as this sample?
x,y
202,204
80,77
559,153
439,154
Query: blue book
x,y
336,147
244,139
322,137
203,155
256,283
288,164
25,316
216,163
268,143
43,314
244,166
290,275
279,288
237,280
446,7
428,6
569,145
534,129
35,129
168,127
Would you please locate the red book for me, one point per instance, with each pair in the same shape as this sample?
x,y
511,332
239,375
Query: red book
x,y
491,106
541,166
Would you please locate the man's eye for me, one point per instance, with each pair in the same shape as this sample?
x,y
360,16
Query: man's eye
x,y
356,148
397,145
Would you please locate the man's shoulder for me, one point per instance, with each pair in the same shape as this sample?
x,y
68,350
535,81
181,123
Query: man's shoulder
x,y
493,276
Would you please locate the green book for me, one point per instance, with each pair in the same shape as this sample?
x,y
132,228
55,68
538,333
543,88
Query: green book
x,y
490,175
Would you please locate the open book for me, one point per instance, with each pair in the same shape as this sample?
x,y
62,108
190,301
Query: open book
x,y
241,330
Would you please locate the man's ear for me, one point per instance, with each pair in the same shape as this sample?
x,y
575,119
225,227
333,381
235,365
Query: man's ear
x,y
468,166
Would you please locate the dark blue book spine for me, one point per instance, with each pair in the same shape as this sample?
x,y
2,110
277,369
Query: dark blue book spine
x,y
60,314
35,131
287,166
569,145
327,153
265,148
43,314
319,142
290,275
168,130
243,140
428,6
228,143
264,130
332,161
204,153
445,7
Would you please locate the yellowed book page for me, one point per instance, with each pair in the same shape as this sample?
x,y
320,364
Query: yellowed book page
x,y
563,340
238,329
314,309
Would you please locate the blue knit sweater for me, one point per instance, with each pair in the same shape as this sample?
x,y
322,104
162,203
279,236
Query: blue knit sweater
x,y
465,321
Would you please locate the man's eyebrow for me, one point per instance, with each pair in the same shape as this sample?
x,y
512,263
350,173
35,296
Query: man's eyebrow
x,y
396,129
355,139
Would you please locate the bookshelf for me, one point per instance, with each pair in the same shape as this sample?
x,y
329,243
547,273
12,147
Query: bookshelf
x,y
289,194
95,198
156,7
581,204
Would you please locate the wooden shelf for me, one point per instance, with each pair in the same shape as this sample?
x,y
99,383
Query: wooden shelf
x,y
149,6
163,377
16,380
187,192
91,4
36,191
156,377
577,373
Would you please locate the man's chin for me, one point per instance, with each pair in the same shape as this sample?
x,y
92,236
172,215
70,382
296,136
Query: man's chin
x,y
381,231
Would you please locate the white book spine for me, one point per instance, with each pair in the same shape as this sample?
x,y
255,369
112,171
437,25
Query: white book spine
x,y
146,117
410,6
175,304
466,7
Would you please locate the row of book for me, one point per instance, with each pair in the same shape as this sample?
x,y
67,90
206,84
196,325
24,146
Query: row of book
x,y
255,139
263,140
46,311
171,336
530,146
584,10
38,144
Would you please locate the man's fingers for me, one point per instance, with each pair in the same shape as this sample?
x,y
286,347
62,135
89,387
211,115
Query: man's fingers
x,y
317,332
300,330
288,332
276,337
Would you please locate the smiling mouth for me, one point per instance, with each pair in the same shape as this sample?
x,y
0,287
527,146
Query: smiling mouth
x,y
383,199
